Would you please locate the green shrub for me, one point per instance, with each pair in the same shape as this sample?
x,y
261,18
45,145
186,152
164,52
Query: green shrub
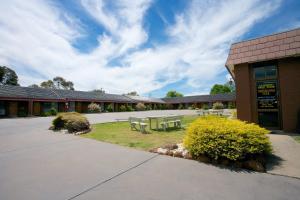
x,y
73,122
94,108
110,108
148,107
180,107
129,108
155,107
218,137
140,107
230,105
122,108
205,106
194,106
218,106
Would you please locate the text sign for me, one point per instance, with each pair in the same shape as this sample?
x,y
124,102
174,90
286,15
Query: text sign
x,y
266,95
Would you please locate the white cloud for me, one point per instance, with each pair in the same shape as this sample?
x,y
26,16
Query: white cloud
x,y
36,37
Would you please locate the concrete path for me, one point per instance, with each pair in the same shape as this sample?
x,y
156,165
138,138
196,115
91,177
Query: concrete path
x,y
286,159
36,163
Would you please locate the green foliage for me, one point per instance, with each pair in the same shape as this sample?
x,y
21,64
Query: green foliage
x,y
155,107
180,107
129,108
173,93
231,105
51,112
58,83
218,137
169,106
148,107
140,107
194,106
122,108
220,89
133,93
8,76
94,108
218,106
34,86
205,106
110,108
73,122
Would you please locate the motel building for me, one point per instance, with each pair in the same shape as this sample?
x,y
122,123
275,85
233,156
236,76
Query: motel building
x,y
266,71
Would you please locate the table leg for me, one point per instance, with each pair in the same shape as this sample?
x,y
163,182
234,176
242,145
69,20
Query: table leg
x,y
150,123
157,124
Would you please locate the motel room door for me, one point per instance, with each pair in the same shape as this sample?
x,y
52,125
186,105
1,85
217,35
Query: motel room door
x,y
267,97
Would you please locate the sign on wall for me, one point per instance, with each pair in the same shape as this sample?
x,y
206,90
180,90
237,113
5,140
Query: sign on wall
x,y
266,95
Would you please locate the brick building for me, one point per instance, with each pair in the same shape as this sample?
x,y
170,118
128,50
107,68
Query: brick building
x,y
266,71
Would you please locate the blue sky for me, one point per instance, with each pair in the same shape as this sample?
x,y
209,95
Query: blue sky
x,y
148,46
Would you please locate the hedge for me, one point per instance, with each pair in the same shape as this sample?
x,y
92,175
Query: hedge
x,y
219,138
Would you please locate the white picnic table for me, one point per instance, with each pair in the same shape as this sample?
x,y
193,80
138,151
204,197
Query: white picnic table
x,y
157,117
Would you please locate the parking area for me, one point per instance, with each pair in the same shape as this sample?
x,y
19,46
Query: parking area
x,y
36,163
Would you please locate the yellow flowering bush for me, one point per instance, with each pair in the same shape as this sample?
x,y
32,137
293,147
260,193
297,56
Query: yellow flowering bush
x,y
218,137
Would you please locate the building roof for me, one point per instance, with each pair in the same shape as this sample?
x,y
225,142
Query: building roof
x,y
7,91
25,93
145,99
201,98
275,46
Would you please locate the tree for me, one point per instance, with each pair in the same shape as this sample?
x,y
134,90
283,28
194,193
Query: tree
x,y
61,83
173,93
220,89
58,83
47,84
34,86
8,76
102,91
133,93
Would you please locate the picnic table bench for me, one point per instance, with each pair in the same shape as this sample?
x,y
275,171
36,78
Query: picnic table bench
x,y
138,124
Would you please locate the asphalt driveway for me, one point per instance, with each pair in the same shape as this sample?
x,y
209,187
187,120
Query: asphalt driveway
x,y
36,163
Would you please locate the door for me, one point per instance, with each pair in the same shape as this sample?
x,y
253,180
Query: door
x,y
267,97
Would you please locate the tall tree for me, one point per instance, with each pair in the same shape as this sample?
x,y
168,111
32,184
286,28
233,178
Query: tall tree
x,y
220,89
33,86
102,91
8,76
61,83
133,93
47,84
58,83
174,93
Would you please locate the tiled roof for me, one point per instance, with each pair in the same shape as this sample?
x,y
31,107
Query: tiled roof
x,y
41,93
145,99
27,93
201,98
280,45
7,91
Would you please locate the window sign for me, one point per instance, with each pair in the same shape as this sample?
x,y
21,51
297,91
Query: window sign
x,y
266,95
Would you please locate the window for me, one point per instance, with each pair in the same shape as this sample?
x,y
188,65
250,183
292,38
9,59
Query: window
x,y
266,72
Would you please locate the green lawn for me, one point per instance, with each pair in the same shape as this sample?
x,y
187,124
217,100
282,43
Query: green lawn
x,y
120,133
297,138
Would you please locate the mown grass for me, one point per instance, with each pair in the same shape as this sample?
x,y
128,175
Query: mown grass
x,y
297,138
120,133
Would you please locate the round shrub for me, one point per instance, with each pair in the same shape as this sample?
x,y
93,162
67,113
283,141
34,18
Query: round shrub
x,y
222,138
140,106
110,108
218,106
94,108
122,108
73,122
